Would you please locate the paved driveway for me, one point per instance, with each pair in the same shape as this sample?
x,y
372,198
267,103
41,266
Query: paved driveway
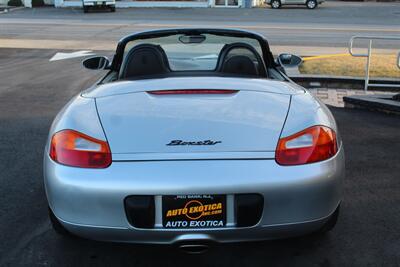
x,y
32,91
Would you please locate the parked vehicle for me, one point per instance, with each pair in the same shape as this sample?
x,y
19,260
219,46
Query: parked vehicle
x,y
311,4
98,4
193,136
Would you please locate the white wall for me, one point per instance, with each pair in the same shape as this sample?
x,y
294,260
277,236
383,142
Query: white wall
x,y
126,4
257,2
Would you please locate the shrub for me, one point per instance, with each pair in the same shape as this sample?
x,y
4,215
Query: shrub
x,y
36,3
14,3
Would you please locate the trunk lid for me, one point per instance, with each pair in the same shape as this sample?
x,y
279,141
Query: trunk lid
x,y
141,123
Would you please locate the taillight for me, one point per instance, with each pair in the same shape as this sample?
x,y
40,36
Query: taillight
x,y
76,149
313,144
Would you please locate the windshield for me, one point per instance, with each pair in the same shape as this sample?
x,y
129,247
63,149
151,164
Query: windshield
x,y
196,53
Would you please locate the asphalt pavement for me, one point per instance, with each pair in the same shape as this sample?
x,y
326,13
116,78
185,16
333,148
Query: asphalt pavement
x,y
32,90
327,29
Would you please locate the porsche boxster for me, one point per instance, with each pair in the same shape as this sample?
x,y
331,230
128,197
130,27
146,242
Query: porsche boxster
x,y
193,136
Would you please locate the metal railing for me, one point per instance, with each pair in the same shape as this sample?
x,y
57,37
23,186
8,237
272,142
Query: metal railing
x,y
368,56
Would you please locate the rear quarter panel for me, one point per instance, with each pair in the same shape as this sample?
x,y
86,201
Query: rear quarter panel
x,y
306,111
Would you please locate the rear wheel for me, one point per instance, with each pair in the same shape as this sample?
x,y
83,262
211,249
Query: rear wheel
x,y
57,226
311,4
112,8
275,4
85,9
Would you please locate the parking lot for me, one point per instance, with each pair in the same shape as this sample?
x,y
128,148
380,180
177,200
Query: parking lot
x,y
32,90
291,29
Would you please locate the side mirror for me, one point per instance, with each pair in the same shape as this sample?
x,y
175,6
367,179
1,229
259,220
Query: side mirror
x,y
289,60
96,63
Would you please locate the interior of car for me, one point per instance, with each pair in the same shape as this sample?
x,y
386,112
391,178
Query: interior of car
x,y
151,60
193,53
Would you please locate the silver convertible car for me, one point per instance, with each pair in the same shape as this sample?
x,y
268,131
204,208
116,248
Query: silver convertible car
x,y
193,136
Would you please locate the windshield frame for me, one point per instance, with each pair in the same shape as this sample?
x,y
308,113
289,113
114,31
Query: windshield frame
x,y
266,52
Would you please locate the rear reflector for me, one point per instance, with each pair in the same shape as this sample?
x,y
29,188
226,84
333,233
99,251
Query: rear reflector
x,y
72,148
140,211
313,144
248,209
193,92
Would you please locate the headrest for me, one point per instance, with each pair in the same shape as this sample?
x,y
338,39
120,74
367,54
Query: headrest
x,y
144,59
239,65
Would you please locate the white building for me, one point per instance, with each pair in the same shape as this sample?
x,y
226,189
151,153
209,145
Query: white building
x,y
155,3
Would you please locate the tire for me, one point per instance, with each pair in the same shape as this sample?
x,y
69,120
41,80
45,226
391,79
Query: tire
x,y
275,4
85,9
311,4
330,224
57,226
112,8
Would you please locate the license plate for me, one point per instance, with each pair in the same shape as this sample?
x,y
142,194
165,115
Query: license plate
x,y
194,211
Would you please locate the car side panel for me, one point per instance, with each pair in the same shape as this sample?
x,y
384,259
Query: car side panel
x,y
79,114
306,111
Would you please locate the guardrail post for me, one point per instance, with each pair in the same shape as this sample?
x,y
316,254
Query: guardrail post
x,y
367,66
398,60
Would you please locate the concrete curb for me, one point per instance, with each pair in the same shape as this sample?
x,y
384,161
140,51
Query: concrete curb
x,y
8,9
356,83
377,1
381,103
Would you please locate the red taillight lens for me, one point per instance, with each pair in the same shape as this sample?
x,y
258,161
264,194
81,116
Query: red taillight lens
x,y
76,149
193,92
310,145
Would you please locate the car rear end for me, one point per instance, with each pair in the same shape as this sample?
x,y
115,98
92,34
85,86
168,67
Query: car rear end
x,y
170,166
98,4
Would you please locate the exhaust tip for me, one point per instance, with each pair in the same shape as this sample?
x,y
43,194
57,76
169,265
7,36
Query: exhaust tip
x,y
194,248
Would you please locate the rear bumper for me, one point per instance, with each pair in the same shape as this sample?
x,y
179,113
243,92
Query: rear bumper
x,y
227,235
99,3
297,199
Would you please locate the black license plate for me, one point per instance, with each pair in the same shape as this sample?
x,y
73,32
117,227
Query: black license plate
x,y
194,211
